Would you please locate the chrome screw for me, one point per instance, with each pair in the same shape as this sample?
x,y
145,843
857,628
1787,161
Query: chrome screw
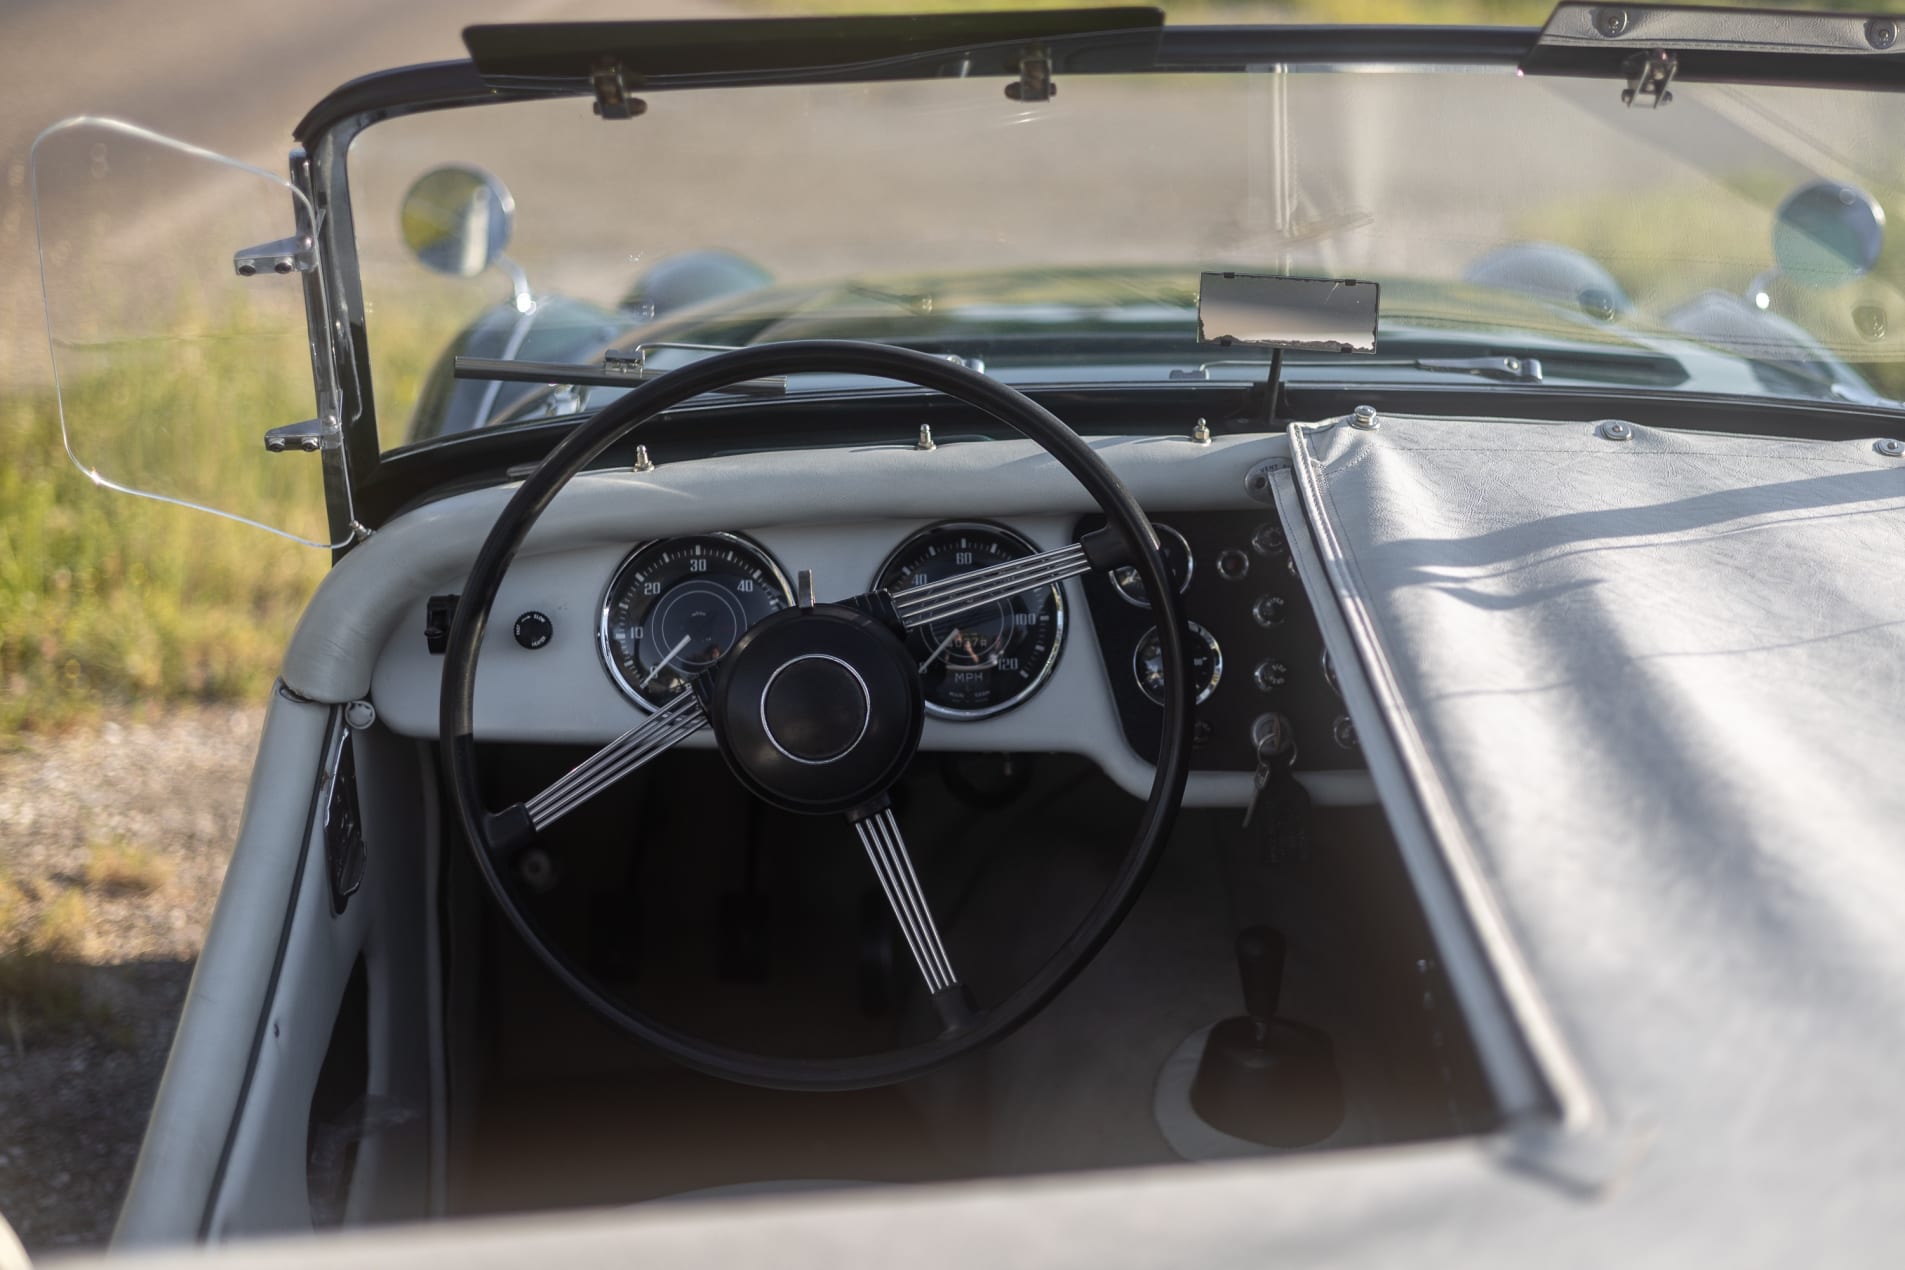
x,y
925,441
1891,447
1615,430
1610,22
642,462
1881,33
1364,418
1200,432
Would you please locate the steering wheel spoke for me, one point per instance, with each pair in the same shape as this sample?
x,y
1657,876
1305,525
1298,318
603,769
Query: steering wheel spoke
x,y
935,601
659,732
893,867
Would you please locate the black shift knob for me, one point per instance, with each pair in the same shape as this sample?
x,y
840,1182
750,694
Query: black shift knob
x,y
1260,966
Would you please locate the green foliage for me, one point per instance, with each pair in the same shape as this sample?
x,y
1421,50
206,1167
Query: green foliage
x,y
109,600
115,866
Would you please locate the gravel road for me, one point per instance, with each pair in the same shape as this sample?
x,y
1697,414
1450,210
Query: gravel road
x,y
74,1098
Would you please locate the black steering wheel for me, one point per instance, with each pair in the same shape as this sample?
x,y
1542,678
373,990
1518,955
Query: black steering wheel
x,y
818,709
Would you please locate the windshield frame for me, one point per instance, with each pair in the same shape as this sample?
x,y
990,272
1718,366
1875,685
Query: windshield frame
x,y
385,482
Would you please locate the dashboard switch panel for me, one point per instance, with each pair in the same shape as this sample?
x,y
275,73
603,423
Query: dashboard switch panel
x,y
1264,628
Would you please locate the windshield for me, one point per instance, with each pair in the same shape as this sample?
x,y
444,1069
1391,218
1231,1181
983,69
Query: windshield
x,y
1505,217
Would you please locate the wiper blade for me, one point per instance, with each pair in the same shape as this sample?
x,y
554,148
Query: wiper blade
x,y
1522,370
616,370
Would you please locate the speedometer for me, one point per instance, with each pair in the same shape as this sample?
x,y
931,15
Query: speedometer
x,y
675,606
986,659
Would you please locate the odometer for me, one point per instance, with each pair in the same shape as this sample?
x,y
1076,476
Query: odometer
x,y
675,606
986,659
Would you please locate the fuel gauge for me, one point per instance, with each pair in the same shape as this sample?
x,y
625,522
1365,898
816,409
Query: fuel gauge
x,y
1207,664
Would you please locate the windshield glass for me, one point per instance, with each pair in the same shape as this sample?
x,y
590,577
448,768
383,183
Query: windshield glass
x,y
1505,217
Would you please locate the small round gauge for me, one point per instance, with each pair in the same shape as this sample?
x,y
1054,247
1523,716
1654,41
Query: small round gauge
x,y
676,605
1177,559
1207,664
987,659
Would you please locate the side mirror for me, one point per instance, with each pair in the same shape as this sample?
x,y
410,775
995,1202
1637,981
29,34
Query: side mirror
x,y
457,220
1826,234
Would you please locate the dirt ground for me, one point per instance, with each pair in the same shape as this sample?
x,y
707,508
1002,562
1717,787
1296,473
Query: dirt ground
x,y
79,1066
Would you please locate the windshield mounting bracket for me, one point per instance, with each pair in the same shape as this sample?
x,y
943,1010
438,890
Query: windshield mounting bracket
x,y
1035,76
296,254
310,436
611,84
1648,75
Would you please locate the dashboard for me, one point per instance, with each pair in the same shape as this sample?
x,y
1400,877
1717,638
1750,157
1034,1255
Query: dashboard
x,y
583,643
601,618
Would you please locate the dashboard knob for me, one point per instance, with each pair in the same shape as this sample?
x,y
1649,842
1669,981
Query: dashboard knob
x,y
1232,564
533,629
1268,610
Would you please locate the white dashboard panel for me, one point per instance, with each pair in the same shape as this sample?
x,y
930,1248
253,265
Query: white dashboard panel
x,y
562,693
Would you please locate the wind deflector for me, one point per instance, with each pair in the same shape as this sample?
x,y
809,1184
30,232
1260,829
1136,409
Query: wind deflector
x,y
562,56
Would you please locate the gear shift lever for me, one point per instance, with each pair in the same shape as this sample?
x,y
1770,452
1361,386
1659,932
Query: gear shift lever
x,y
1264,1077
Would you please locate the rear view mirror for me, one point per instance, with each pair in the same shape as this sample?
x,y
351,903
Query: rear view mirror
x,y
1328,314
457,220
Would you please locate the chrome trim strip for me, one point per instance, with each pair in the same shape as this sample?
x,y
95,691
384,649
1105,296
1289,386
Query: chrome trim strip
x,y
886,850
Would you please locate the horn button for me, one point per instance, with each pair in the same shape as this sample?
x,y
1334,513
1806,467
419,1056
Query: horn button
x,y
817,710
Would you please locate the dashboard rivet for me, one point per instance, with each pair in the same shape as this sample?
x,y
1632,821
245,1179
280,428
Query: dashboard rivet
x,y
1610,22
925,441
1364,418
1881,33
1891,447
1615,430
642,462
1200,432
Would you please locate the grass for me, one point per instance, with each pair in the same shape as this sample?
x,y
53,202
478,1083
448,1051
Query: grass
x,y
118,867
107,600
42,980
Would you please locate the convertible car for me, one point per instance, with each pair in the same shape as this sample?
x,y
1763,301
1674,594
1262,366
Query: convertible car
x,y
1043,638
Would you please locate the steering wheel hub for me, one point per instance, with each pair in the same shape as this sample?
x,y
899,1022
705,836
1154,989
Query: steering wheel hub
x,y
817,710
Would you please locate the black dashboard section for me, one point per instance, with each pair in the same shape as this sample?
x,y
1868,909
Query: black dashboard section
x,y
1244,593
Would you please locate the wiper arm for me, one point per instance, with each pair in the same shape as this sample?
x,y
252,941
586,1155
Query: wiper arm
x,y
1521,370
1524,370
615,370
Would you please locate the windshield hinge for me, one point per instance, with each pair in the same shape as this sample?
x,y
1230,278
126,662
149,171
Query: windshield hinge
x,y
612,100
1035,77
1648,75
287,255
310,436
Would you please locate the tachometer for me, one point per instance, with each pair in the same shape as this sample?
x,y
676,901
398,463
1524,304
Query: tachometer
x,y
675,606
987,659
